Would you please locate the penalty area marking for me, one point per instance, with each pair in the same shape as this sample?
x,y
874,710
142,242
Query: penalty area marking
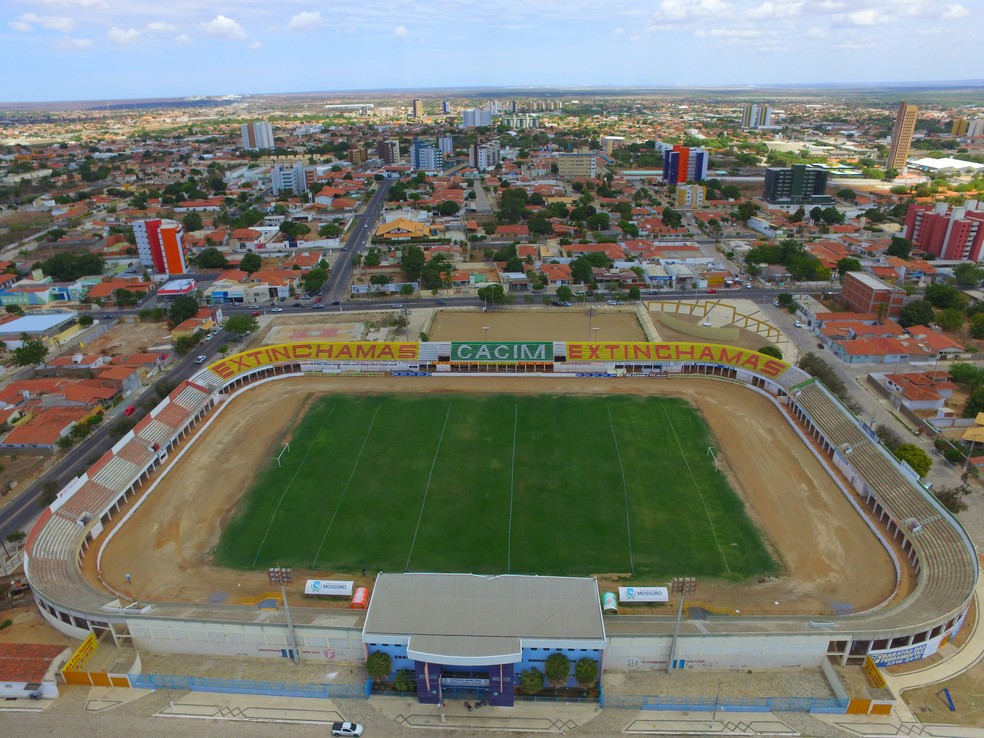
x,y
296,472
430,476
699,493
345,488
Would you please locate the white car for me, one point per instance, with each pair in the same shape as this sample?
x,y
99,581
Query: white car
x,y
346,729
201,359
612,302
276,310
797,324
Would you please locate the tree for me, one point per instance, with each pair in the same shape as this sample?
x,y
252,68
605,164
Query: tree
x,y
586,673
531,681
30,353
915,457
406,290
211,258
635,294
848,264
49,491
889,438
250,263
600,222
900,247
951,319
846,194
379,665
798,216
945,296
673,219
918,312
816,214
493,294
405,681
292,230
564,293
181,309
330,230
69,266
746,210
771,351
192,222
314,279
967,275
977,326
186,343
373,258
557,668
85,320
952,497
380,279
241,324
412,262
448,208
581,270
832,216
16,537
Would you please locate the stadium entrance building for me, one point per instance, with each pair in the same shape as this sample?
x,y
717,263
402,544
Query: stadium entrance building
x,y
465,635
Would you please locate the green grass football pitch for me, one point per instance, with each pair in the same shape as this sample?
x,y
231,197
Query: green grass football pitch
x,y
497,484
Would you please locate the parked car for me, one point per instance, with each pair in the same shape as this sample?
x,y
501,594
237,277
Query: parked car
x,y
346,729
255,313
130,410
820,346
776,303
201,359
209,336
612,302
797,324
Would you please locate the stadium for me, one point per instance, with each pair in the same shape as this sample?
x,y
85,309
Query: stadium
x,y
933,560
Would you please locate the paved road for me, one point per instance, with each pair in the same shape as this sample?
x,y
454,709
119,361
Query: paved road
x,y
337,287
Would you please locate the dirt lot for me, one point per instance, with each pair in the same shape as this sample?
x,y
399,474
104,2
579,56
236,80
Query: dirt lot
x,y
30,627
828,553
130,338
553,324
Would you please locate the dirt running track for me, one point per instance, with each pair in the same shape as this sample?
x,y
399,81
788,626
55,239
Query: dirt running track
x,y
828,553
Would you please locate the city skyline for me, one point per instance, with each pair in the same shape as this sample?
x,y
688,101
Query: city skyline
x,y
186,49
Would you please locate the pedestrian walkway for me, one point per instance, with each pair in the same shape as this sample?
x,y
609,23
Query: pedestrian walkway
x,y
251,708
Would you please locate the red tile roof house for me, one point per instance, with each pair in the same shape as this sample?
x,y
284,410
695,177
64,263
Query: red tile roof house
x,y
515,232
30,668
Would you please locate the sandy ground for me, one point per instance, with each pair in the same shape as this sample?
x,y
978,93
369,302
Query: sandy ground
x,y
746,339
828,553
30,627
548,324
929,704
130,338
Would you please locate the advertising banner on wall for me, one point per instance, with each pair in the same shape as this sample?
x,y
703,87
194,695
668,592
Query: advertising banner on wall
x,y
643,594
328,351
328,587
503,352
655,351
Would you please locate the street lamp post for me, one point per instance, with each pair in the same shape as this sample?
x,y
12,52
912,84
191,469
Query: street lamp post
x,y
486,329
590,312
596,333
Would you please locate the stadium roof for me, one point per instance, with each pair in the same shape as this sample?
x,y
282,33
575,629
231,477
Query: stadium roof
x,y
468,615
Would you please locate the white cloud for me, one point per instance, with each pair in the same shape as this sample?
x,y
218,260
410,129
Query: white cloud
x,y
73,44
255,46
54,22
305,21
21,26
123,36
225,28
869,17
680,10
401,32
774,10
816,33
84,4
955,11
182,39
161,27
728,33
618,31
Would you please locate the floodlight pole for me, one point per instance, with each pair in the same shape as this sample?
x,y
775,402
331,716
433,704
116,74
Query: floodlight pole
x,y
291,639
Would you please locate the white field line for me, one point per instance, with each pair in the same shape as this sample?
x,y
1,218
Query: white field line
x,y
512,490
430,476
345,488
699,493
296,472
625,489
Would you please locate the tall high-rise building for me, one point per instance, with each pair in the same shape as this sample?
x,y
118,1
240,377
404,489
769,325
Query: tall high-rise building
x,y
690,196
577,165
418,108
257,135
475,118
446,144
796,184
756,116
357,155
425,156
389,151
905,126
960,127
160,245
484,156
948,233
975,128
683,164
288,178
446,107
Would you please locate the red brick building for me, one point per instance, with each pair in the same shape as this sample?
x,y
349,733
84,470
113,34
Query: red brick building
x,y
949,233
864,293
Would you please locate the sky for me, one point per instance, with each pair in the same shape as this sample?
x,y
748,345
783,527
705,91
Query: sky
x,y
118,49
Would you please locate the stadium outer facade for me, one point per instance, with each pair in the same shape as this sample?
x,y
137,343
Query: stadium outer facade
x,y
939,551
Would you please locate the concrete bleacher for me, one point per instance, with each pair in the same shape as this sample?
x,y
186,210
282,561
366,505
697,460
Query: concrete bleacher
x,y
948,568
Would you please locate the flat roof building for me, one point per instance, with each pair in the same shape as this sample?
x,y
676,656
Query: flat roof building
x,y
469,634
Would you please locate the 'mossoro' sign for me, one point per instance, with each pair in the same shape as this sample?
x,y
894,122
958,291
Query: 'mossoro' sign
x,y
503,352
651,351
340,351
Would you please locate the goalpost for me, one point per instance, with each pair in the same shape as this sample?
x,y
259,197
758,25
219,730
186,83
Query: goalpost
x,y
285,449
